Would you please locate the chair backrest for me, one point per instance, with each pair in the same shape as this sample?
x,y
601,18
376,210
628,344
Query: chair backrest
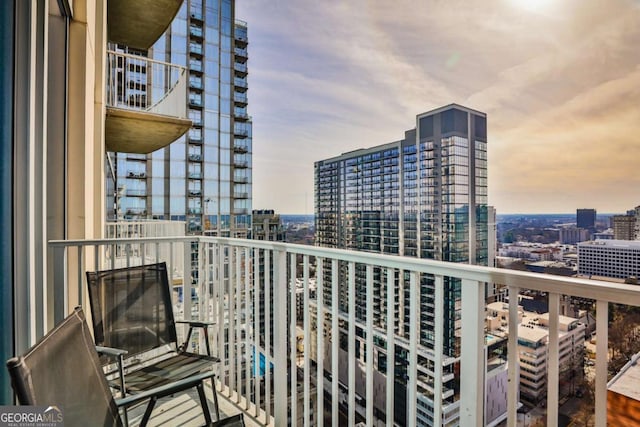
x,y
63,370
131,308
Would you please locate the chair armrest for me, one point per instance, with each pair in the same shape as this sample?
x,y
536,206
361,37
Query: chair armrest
x,y
165,390
110,351
118,354
196,323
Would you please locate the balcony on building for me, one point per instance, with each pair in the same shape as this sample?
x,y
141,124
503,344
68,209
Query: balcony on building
x,y
240,164
240,84
240,69
240,146
145,103
139,23
240,99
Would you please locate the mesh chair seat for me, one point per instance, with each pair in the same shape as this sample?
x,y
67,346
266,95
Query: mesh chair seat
x,y
165,371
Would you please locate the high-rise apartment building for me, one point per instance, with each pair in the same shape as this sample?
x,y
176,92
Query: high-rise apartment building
x,y
624,227
586,218
423,196
204,177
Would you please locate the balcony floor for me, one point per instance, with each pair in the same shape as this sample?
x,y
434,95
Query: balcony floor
x,y
184,409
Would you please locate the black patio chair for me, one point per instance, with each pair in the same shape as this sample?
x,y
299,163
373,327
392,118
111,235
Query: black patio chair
x,y
63,371
133,322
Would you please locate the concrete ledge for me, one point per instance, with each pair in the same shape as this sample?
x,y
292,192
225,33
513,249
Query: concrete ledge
x,y
141,132
139,23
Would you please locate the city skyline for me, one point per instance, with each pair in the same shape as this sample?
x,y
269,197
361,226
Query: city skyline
x,y
559,83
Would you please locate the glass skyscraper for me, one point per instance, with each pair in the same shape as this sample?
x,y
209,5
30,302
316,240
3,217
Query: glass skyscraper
x,y
423,196
204,177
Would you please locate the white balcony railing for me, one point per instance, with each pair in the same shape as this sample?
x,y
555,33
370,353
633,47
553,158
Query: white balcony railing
x,y
257,326
139,83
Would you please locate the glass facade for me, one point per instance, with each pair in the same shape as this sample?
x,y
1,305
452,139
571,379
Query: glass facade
x,y
424,196
204,177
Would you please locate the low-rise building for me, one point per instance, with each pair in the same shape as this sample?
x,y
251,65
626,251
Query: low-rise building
x,y
533,341
619,259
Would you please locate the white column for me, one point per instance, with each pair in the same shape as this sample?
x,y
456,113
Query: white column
x,y
320,341
553,357
602,350
391,345
279,336
369,342
352,345
256,328
307,341
438,350
472,349
414,333
513,364
293,367
335,341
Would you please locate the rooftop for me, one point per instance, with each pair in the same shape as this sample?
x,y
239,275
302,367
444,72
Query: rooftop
x,y
611,243
627,380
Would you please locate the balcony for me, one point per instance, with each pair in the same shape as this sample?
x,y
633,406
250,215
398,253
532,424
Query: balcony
x,y
240,195
240,54
240,84
146,110
240,69
240,164
139,23
240,99
240,179
240,132
265,394
240,147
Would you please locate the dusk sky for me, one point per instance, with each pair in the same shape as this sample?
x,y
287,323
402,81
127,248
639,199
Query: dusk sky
x,y
558,79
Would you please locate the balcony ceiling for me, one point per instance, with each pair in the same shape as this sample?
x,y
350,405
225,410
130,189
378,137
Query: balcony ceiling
x,y
139,23
130,131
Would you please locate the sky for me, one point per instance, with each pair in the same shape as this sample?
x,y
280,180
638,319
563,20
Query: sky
x,y
558,79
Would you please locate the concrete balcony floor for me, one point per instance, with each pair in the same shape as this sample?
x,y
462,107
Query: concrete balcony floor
x,y
139,23
184,409
142,132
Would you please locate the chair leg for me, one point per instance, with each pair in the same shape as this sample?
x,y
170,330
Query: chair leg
x,y
147,412
203,402
215,397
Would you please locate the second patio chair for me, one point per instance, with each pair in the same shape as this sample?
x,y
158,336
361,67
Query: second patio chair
x,y
133,321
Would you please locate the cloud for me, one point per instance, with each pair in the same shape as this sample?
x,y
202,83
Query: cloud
x,y
560,86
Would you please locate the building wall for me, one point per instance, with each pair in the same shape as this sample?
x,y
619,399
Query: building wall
x,y
586,218
622,411
54,132
624,227
609,258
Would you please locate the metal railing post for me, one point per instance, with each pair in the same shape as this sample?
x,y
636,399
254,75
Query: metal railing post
x,y
472,363
280,334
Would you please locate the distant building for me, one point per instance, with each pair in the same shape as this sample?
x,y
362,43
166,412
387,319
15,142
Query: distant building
x,y
618,259
623,396
604,235
267,225
533,341
573,235
624,227
586,218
